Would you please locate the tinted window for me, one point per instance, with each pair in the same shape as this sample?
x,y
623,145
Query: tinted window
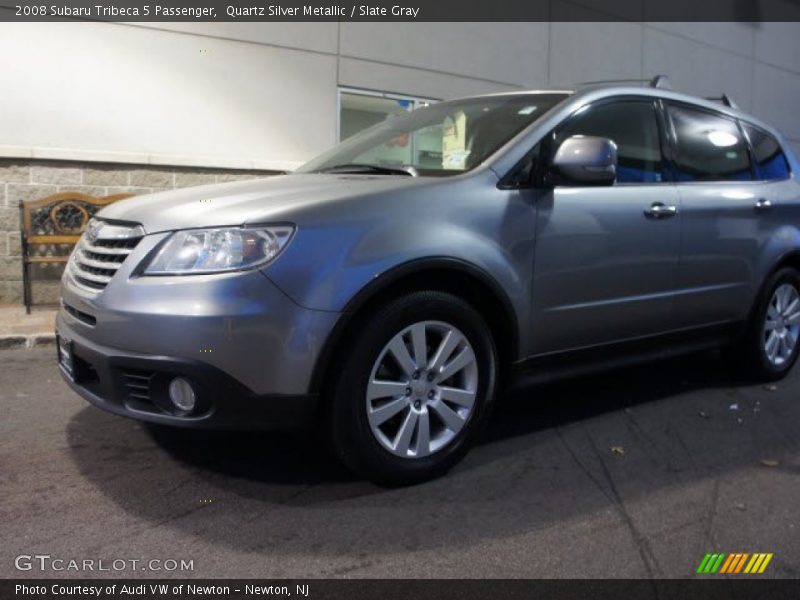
x,y
772,163
709,147
633,127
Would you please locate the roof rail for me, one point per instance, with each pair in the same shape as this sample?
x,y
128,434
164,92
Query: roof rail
x,y
724,99
659,81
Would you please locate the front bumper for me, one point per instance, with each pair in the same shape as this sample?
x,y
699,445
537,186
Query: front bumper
x,y
249,350
135,386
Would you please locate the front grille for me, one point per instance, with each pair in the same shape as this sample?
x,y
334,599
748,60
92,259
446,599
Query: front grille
x,y
137,384
101,251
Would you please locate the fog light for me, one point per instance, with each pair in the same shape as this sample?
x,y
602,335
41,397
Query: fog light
x,y
182,394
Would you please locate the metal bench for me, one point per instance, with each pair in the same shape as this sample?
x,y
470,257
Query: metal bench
x,y
51,226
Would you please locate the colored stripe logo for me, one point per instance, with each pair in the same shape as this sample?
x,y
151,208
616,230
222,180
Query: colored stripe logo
x,y
735,563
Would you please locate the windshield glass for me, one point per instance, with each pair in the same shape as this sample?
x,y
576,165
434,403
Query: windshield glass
x,y
442,139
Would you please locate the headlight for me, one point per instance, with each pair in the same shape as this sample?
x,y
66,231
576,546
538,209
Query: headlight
x,y
217,250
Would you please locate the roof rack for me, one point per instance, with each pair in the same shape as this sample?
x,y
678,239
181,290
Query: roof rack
x,y
724,99
659,81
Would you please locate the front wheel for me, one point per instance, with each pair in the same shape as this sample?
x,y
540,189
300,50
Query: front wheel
x,y
415,388
771,344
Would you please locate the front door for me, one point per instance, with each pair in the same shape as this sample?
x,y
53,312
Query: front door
x,y
606,257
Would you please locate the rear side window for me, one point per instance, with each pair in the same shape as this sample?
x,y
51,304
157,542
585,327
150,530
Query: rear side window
x,y
770,160
633,127
709,147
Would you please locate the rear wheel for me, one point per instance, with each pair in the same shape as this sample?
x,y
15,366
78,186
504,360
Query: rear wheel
x,y
770,347
415,388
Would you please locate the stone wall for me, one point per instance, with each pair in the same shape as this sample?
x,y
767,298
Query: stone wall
x,y
26,179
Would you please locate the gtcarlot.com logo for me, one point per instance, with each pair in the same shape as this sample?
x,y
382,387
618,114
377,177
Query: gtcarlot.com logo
x,y
46,562
734,563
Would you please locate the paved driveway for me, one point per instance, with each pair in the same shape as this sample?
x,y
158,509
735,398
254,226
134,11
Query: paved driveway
x,y
638,473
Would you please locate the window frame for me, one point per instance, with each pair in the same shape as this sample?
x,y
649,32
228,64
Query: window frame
x,y
673,141
743,124
419,101
546,150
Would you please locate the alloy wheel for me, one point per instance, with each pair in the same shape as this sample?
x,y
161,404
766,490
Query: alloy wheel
x,y
422,389
782,324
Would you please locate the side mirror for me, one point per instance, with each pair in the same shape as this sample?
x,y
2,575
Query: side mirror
x,y
585,160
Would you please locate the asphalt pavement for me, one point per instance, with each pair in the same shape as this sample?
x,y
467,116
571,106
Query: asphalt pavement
x,y
635,473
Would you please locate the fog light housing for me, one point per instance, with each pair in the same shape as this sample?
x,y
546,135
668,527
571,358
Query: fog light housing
x,y
182,395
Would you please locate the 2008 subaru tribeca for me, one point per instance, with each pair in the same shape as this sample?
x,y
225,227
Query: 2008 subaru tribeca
x,y
389,287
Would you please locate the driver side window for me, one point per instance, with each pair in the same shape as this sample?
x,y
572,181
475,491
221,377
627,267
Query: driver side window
x,y
632,125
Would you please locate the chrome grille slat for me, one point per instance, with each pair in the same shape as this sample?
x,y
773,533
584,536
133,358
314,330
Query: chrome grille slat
x,y
99,264
104,249
94,263
91,276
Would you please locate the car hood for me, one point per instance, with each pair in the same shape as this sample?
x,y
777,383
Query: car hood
x,y
273,199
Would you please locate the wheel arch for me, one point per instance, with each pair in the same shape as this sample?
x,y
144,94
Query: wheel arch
x,y
456,276
791,258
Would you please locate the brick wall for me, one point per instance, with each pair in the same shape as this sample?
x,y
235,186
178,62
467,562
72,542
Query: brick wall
x,y
24,179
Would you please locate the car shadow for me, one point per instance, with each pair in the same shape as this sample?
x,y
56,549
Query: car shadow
x,y
551,452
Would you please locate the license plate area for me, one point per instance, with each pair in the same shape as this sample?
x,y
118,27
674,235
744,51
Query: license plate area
x,y
65,356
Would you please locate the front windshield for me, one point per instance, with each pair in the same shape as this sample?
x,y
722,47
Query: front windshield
x,y
442,139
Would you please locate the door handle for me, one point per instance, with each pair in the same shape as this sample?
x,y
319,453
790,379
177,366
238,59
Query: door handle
x,y
763,204
659,210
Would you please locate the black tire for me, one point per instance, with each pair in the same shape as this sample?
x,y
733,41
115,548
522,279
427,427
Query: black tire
x,y
353,439
751,350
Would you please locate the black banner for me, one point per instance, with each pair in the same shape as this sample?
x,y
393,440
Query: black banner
x,y
401,10
717,588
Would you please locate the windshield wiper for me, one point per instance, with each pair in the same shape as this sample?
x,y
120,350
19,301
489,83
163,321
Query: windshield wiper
x,y
368,168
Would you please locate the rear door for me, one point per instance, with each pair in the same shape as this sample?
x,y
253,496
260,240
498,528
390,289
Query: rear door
x,y
606,257
723,213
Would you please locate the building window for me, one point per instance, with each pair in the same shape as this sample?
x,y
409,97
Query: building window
x,y
359,109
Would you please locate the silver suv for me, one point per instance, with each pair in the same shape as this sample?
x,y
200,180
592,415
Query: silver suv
x,y
390,287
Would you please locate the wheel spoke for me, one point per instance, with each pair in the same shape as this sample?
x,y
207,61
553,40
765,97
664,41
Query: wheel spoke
x,y
780,296
463,398
452,420
448,344
423,434
403,438
398,349
770,325
772,346
791,341
772,312
783,349
792,308
461,360
793,318
385,389
419,344
378,416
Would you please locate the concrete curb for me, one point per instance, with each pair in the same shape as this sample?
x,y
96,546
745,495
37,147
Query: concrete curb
x,y
30,340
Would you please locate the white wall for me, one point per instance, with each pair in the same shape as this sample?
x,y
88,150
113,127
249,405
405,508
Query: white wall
x,y
264,95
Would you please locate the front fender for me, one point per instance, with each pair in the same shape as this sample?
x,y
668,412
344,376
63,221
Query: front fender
x,y
330,273
330,261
